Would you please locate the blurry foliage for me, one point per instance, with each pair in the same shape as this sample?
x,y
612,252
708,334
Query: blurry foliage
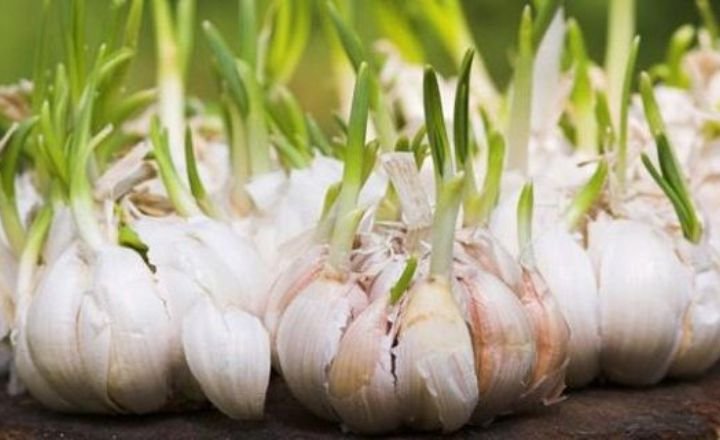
x,y
493,23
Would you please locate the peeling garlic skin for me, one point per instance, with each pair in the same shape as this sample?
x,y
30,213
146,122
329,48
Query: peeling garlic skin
x,y
361,379
309,334
552,336
643,289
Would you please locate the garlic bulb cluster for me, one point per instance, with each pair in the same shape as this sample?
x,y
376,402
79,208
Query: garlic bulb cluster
x,y
488,342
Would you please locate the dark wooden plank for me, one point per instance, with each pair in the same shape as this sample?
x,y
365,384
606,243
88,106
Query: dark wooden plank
x,y
674,410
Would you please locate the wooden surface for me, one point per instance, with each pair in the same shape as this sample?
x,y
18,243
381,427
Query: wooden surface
x,y
675,410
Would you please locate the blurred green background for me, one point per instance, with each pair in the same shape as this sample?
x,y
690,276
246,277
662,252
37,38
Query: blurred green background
x,y
493,22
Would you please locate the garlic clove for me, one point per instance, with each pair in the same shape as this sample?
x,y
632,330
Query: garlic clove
x,y
228,352
34,381
297,276
551,340
434,365
244,272
643,290
125,309
361,380
503,342
308,338
699,348
568,272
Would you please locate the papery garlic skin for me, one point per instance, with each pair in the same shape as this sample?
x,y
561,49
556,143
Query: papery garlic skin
x,y
228,352
435,367
643,290
308,338
361,381
503,343
568,272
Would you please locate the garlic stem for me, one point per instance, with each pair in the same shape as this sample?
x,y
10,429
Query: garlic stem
x,y
180,197
480,207
524,223
173,46
403,282
81,201
353,170
75,49
621,167
258,143
39,71
28,261
436,131
247,26
382,117
444,221
620,31
583,95
586,197
709,20
196,186
518,129
9,214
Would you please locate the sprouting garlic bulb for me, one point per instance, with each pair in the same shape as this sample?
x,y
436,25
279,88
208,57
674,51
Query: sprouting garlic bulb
x,y
216,284
643,289
488,342
95,339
